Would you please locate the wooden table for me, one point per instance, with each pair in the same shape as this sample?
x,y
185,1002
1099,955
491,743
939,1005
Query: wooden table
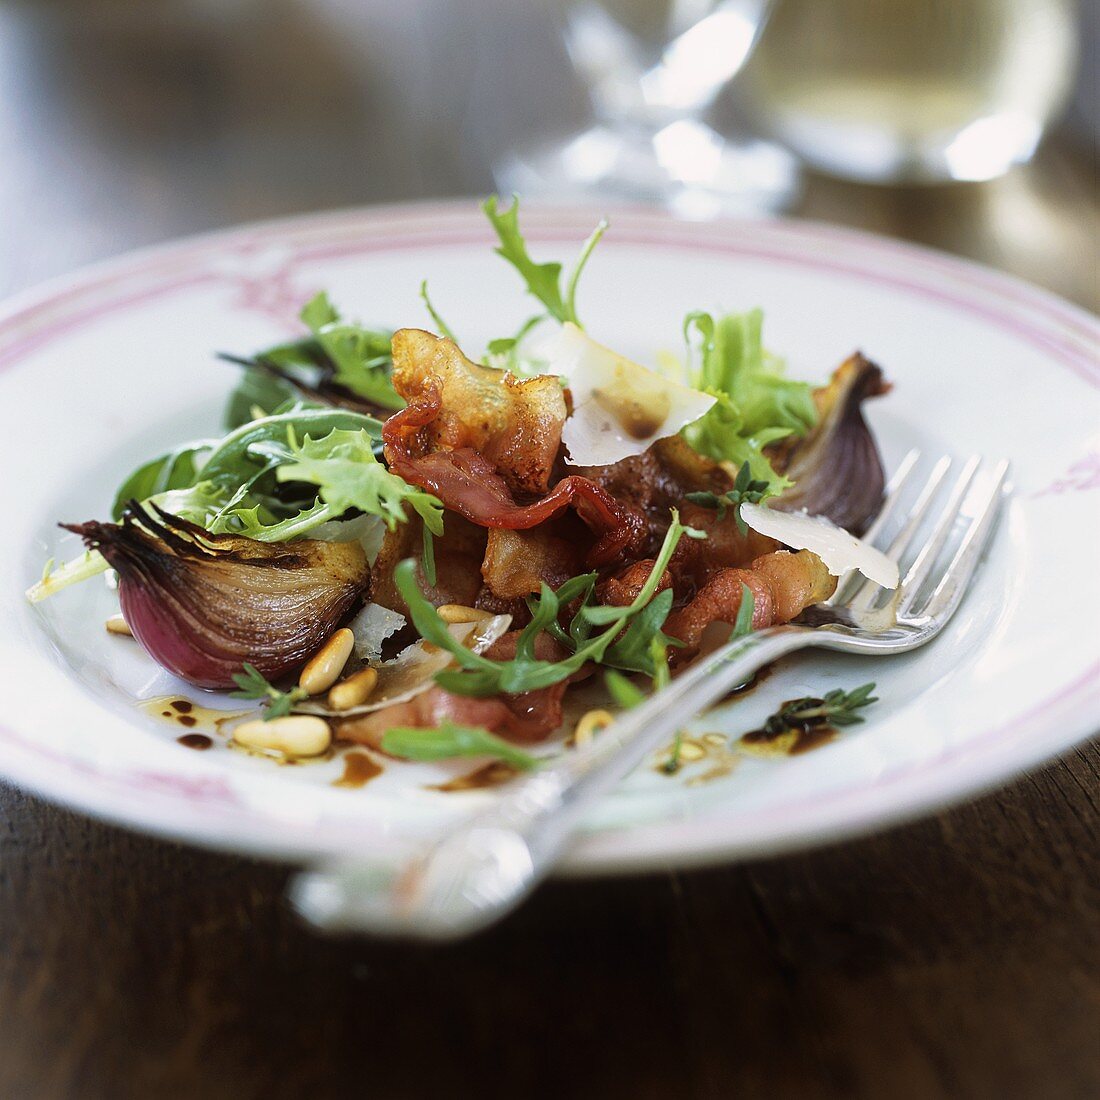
x,y
954,957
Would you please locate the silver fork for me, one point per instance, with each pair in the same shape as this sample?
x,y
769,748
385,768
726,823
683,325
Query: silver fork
x,y
486,865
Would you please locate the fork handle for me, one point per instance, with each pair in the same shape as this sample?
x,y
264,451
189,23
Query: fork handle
x,y
486,865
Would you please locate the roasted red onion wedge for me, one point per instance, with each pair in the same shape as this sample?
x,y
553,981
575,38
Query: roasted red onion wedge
x,y
836,469
202,605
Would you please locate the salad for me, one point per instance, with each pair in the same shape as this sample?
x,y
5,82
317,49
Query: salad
x,y
407,543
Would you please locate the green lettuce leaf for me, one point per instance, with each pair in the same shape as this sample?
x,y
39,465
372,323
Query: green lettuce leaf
x,y
343,466
756,405
360,356
178,469
258,393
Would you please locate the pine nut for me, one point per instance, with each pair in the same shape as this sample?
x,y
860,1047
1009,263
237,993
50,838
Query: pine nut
x,y
717,740
459,613
294,735
354,690
116,624
691,750
325,666
588,725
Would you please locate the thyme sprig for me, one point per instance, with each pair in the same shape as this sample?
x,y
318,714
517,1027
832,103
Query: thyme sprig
x,y
745,490
253,685
836,708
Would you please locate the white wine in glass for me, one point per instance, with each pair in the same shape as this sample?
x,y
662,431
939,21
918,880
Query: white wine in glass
x,y
913,90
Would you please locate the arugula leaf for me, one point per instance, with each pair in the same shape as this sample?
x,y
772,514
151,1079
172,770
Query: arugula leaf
x,y
344,467
360,356
348,354
480,676
755,405
575,275
257,391
543,280
440,324
427,554
503,353
252,446
256,522
743,623
449,741
198,503
625,693
634,651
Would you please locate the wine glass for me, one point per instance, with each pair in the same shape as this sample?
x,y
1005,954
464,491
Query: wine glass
x,y
652,69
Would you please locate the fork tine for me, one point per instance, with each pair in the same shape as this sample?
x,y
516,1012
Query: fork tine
x,y
956,577
891,498
922,566
892,493
862,599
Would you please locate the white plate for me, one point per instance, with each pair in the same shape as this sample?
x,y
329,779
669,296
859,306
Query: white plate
x,y
114,364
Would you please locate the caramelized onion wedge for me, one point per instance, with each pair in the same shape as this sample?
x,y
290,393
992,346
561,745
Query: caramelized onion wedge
x,y
202,605
836,469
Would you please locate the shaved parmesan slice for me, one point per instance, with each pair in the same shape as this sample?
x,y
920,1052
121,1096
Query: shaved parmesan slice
x,y
620,408
371,627
840,550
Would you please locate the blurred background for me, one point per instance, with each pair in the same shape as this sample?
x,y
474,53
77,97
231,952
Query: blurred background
x,y
971,125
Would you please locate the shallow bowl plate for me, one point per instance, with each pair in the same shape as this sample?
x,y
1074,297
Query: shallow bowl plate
x,y
115,364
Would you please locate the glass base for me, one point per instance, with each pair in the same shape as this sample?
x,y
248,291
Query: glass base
x,y
685,166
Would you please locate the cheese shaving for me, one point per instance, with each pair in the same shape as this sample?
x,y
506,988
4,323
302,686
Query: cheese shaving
x,y
620,408
840,550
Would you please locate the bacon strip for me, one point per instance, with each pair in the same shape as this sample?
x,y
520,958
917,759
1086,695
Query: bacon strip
x,y
518,563
530,716
783,585
516,423
467,483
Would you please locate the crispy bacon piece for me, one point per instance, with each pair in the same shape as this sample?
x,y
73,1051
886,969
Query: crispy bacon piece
x,y
724,546
515,424
518,563
468,482
528,717
624,589
783,586
655,482
458,554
